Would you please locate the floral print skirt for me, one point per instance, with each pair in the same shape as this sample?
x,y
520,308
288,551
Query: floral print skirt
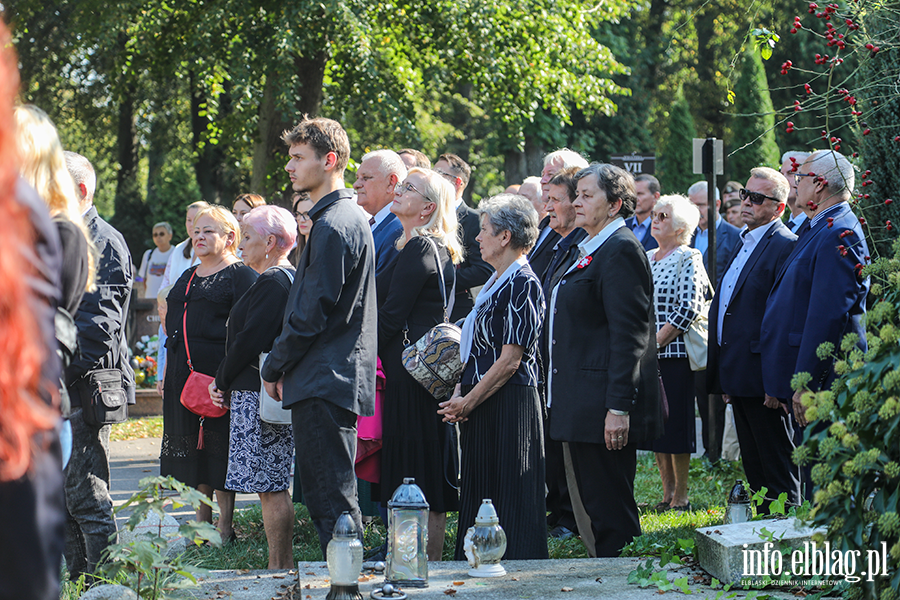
x,y
260,454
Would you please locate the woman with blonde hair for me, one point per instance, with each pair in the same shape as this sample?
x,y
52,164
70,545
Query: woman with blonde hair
x,y
43,165
198,308
416,442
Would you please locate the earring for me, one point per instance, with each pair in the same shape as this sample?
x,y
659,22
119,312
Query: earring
x,y
267,255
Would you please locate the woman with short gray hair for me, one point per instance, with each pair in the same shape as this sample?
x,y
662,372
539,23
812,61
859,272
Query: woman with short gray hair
x,y
497,404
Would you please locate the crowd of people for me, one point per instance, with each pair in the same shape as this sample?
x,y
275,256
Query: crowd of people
x,y
579,294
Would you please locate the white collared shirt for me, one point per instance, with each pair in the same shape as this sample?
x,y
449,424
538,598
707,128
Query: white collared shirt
x,y
750,239
381,215
794,223
587,247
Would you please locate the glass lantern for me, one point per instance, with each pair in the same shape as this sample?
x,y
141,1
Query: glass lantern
x,y
485,543
407,561
344,558
738,509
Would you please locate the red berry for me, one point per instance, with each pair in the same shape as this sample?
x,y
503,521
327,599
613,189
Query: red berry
x,y
888,201
870,46
793,30
867,131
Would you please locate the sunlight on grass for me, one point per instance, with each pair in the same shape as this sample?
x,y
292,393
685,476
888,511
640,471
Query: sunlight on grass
x,y
133,429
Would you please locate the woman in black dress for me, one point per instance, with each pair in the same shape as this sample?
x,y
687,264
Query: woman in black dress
x,y
209,291
416,442
497,403
261,454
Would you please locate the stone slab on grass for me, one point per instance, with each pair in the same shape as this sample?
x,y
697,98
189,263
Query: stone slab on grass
x,y
721,550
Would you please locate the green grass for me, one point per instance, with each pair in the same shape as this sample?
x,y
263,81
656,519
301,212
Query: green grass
x,y
133,429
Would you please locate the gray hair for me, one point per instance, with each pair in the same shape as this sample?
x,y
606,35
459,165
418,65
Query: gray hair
x,y
389,163
797,155
569,158
836,170
82,172
532,185
616,183
780,185
701,187
515,214
165,225
683,212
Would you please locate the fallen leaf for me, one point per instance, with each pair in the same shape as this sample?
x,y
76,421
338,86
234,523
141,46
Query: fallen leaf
x,y
450,592
567,589
310,573
515,578
599,580
246,588
459,583
277,576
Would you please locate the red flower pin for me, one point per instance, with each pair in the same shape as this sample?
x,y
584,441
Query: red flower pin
x,y
583,262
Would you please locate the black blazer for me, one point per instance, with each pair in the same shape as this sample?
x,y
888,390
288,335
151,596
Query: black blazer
x,y
604,345
540,256
473,271
736,367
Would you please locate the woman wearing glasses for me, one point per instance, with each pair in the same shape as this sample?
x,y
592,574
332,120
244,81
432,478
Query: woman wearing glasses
x,y
416,441
680,284
301,205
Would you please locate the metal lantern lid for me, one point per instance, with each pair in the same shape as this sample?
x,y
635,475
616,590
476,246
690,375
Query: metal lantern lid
x,y
739,494
408,496
345,527
487,514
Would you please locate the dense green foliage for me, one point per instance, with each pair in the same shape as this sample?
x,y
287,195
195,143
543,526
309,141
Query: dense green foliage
x,y
676,160
752,126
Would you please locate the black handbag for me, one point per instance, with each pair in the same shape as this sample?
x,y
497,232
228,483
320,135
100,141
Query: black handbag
x,y
103,398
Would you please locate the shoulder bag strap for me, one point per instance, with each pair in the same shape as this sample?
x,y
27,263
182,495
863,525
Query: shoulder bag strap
x,y
184,321
284,270
440,274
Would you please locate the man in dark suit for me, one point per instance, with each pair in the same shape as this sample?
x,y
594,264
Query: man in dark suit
x,y
647,190
734,369
540,256
323,363
100,321
473,271
602,388
727,237
378,174
560,195
819,294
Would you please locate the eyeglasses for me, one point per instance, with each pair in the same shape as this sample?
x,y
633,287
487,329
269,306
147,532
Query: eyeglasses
x,y
797,177
160,233
408,187
659,216
302,216
755,197
448,176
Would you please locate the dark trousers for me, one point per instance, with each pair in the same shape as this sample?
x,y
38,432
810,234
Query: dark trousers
x,y
559,504
325,442
712,446
605,482
766,438
89,517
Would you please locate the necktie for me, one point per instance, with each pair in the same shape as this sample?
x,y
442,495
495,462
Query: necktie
x,y
804,227
371,221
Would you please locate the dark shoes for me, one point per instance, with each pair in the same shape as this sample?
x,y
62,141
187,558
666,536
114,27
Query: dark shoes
x,y
685,508
664,506
561,533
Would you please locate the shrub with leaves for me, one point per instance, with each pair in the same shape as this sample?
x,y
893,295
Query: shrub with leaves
x,y
856,459
143,564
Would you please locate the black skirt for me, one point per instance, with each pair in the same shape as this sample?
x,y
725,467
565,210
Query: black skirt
x,y
680,436
503,459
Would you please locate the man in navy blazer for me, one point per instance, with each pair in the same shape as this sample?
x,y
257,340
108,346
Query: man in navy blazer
x,y
819,295
378,174
647,190
734,366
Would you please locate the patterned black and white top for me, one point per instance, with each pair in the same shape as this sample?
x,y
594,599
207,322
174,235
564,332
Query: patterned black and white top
x,y
513,315
679,284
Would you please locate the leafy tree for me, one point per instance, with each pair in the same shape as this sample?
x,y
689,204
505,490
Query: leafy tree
x,y
753,137
675,161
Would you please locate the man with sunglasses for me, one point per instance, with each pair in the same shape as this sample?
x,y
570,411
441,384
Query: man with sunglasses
x,y
734,365
819,295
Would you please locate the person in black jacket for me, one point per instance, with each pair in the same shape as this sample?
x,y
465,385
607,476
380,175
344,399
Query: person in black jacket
x,y
100,321
472,272
602,385
260,454
323,363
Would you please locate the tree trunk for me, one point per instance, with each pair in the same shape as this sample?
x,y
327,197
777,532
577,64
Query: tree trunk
x,y
130,211
514,167
204,161
534,155
270,153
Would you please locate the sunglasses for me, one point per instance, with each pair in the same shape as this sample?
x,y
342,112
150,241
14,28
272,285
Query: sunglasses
x,y
160,233
660,216
755,197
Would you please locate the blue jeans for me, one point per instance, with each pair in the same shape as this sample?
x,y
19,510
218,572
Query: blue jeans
x,y
89,518
325,442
